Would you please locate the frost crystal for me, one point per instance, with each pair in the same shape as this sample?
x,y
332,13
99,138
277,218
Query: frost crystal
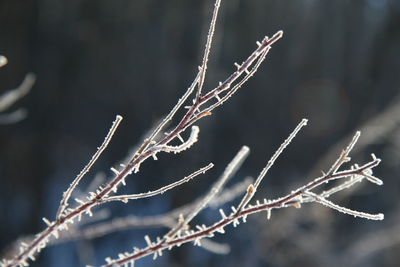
x,y
221,211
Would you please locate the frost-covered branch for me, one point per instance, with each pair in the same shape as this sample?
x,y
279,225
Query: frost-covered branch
x,y
202,104
162,190
167,219
344,210
210,35
294,199
200,107
67,194
251,190
230,170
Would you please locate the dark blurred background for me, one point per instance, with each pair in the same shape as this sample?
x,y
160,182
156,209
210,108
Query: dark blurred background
x,y
337,65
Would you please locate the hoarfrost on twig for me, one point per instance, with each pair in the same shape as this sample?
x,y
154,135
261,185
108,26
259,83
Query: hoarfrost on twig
x,y
202,105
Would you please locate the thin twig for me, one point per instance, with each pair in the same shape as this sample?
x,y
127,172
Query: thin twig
x,y
162,190
292,199
253,187
170,115
210,35
86,169
167,219
10,97
344,210
373,130
230,170
146,150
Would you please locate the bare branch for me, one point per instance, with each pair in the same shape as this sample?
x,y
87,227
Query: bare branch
x,y
163,220
256,58
344,155
355,213
162,190
294,199
201,106
168,118
12,96
231,193
210,35
375,128
107,139
230,170
253,187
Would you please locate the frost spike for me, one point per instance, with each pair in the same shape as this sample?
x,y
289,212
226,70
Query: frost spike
x,y
223,215
114,170
268,214
46,221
